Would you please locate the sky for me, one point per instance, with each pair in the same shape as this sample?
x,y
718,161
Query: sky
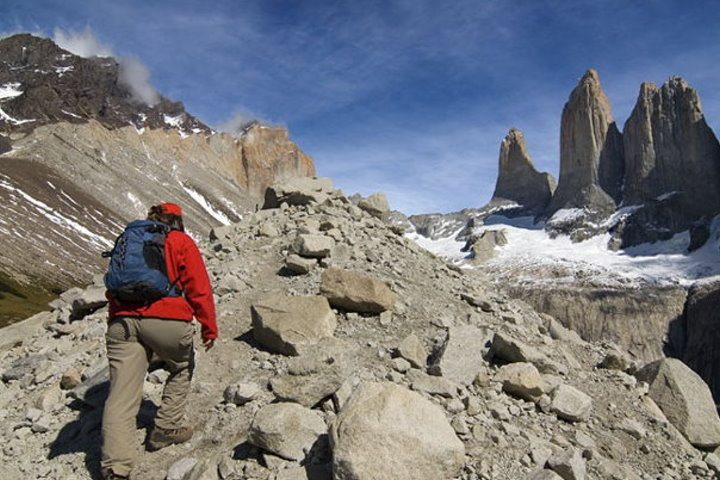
x,y
408,97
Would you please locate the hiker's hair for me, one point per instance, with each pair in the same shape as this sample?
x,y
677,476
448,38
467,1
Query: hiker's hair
x,y
175,221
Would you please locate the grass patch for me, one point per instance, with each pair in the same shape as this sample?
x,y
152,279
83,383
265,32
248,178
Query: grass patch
x,y
19,301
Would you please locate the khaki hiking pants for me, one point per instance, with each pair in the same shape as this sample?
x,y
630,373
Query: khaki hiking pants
x,y
130,345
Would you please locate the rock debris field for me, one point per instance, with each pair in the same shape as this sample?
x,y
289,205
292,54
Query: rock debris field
x,y
349,352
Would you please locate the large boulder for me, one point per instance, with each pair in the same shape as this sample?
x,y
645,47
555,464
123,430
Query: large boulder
x,y
313,246
571,404
286,324
522,380
386,432
510,350
355,292
376,205
286,429
483,246
461,357
298,191
684,399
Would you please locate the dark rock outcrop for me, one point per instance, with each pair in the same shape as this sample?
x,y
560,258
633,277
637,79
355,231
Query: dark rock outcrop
x,y
518,181
591,155
58,86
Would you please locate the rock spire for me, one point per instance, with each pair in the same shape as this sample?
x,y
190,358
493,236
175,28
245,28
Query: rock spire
x,y
591,155
518,179
670,148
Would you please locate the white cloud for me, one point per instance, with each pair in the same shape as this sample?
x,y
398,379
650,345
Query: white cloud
x,y
133,74
235,124
136,77
83,43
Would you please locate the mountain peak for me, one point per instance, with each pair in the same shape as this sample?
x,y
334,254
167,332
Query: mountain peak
x,y
44,84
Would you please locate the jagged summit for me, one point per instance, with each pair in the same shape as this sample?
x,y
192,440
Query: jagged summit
x,y
519,183
40,83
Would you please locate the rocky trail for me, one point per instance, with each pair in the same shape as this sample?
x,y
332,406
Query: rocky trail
x,y
349,352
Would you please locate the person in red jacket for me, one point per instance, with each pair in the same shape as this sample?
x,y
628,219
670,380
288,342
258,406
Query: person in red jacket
x,y
164,328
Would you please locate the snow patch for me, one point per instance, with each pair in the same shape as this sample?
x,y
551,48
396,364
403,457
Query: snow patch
x,y
70,114
10,90
4,116
174,122
207,206
665,196
57,217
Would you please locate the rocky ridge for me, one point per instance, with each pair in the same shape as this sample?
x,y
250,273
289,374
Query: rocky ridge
x,y
442,367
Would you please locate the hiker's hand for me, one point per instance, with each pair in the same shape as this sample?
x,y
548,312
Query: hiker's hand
x,y
208,343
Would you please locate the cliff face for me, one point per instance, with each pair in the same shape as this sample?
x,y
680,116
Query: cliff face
x,y
670,148
518,181
591,155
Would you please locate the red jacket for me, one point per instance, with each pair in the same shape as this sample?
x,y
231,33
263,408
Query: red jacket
x,y
197,301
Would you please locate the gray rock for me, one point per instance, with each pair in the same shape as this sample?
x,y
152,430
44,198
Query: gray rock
x,y
286,429
298,191
483,246
569,464
544,475
511,350
431,384
181,469
299,265
522,380
461,357
412,349
355,292
241,393
571,404
313,246
388,432
286,324
684,399
88,301
376,205
307,390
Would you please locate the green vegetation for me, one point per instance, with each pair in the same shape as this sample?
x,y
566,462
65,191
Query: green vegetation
x,y
19,301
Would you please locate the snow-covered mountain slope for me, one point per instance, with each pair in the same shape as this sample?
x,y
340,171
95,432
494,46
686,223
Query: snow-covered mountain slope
x,y
531,252
631,297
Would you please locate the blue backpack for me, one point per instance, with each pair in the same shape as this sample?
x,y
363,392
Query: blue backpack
x,y
137,272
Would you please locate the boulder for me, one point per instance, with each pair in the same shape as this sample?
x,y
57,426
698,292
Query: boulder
x,y
432,385
285,324
522,380
376,205
313,246
684,399
571,404
88,301
544,475
412,349
508,349
298,191
461,357
355,292
241,393
288,430
483,247
387,432
569,464
299,265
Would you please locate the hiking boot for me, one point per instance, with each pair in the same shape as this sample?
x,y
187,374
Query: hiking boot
x,y
161,438
110,475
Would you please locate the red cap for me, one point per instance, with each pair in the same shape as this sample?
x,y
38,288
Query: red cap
x,y
171,209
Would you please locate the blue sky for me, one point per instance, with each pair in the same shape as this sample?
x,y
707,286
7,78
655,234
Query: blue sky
x,y
409,97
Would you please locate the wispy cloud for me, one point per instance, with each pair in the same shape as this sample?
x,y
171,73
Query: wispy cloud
x,y
132,72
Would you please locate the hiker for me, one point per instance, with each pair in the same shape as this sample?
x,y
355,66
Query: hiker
x,y
140,325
